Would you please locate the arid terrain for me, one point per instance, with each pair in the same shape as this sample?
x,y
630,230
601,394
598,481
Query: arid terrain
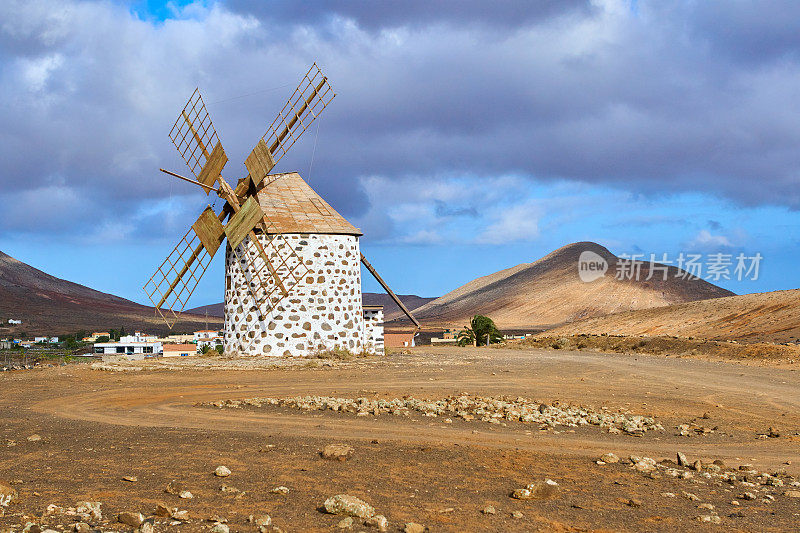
x,y
549,292
757,317
73,433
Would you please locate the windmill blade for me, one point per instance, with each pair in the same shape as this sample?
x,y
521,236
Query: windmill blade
x,y
173,283
194,136
311,96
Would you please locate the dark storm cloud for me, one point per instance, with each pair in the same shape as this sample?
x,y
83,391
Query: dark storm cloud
x,y
660,98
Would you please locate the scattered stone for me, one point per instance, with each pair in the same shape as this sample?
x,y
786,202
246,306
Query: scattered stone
x,y
488,510
792,493
690,496
413,527
163,511
7,494
539,490
222,471
186,495
609,458
734,502
31,527
181,516
280,490
348,505
711,518
146,527
706,506
378,521
130,479
130,519
345,523
773,433
336,452
697,466
81,527
747,496
633,502
682,460
668,494
220,528
263,520
517,514
34,438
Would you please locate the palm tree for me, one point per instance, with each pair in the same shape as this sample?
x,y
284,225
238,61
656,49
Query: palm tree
x,y
481,331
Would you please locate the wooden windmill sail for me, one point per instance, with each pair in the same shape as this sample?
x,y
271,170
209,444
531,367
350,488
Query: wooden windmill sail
x,y
272,268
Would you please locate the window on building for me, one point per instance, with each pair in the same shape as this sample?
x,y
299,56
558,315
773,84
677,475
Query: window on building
x,y
120,349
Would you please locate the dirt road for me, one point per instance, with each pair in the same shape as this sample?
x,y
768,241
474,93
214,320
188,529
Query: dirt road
x,y
97,427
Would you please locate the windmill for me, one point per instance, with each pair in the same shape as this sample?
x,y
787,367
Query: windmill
x,y
292,276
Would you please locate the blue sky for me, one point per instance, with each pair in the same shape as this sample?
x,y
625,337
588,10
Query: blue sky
x,y
462,141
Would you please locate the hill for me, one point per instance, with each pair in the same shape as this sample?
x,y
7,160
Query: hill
x,y
50,305
390,309
757,317
549,292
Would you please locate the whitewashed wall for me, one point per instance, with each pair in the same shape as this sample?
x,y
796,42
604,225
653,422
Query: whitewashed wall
x,y
322,311
373,331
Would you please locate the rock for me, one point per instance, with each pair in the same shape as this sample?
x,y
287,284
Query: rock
x,y
488,510
336,452
222,471
182,516
174,487
707,506
263,520
280,490
7,494
130,479
668,494
609,458
31,527
682,460
792,493
146,527
81,527
378,521
710,518
89,511
130,519
517,514
220,528
633,502
186,495
345,523
348,505
773,433
747,496
690,496
697,466
34,438
539,490
413,527
163,511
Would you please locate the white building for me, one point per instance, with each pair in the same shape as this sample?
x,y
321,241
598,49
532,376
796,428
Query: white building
x,y
40,339
205,334
128,348
12,321
323,309
211,342
138,336
179,350
373,328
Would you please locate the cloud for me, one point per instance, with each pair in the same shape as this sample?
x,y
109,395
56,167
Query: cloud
x,y
704,240
650,98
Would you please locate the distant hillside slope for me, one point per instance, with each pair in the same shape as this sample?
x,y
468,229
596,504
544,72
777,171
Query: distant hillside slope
x,y
757,317
47,304
549,292
390,309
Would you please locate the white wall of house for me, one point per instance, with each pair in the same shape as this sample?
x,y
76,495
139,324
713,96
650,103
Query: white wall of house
x,y
128,348
373,330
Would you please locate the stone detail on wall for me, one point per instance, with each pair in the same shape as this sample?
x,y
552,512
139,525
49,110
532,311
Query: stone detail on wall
x,y
322,311
373,330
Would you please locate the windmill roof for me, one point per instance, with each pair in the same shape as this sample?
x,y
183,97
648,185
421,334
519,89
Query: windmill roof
x,y
294,207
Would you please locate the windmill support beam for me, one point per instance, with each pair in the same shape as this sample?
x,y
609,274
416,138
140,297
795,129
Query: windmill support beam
x,y
389,291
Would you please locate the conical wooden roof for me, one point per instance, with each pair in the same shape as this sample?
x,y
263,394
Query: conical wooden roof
x,y
292,206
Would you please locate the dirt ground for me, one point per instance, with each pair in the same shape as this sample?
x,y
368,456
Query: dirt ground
x,y
97,427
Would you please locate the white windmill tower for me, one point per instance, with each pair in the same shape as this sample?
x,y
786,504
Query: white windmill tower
x,y
292,263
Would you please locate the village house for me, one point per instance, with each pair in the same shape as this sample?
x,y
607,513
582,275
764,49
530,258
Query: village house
x,y
179,350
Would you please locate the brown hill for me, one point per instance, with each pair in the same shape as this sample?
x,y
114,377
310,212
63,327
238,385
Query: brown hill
x,y
757,317
50,305
549,292
390,309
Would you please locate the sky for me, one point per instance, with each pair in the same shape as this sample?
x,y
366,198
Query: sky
x,y
465,137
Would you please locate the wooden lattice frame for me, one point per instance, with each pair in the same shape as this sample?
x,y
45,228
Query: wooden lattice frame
x,y
193,133
312,95
177,277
